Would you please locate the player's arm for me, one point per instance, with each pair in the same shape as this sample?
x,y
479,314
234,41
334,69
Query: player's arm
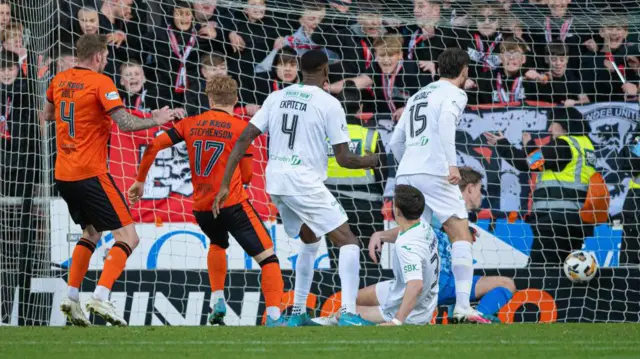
x,y
237,154
246,167
375,243
411,293
49,111
165,140
128,122
399,137
411,264
348,159
338,134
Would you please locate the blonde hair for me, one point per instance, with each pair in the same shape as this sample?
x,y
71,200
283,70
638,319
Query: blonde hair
x,y
222,90
89,45
389,44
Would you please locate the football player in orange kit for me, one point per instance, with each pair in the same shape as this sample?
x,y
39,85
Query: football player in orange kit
x,y
210,137
83,102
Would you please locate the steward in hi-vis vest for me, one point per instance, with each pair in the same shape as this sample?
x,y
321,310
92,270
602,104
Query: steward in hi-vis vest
x,y
563,169
630,248
359,191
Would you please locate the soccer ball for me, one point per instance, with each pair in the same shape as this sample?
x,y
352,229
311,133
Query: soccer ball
x,y
580,266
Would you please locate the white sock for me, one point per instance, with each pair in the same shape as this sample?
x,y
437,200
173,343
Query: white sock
x,y
304,276
462,267
218,294
349,270
73,293
101,293
273,313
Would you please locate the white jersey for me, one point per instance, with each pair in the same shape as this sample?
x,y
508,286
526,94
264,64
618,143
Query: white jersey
x,y
419,128
299,120
415,258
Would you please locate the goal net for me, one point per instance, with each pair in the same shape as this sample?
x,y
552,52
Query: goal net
x,y
528,60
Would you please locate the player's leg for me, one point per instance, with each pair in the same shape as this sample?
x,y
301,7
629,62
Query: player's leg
x,y
447,204
72,193
494,292
323,214
309,244
367,305
108,211
218,236
247,228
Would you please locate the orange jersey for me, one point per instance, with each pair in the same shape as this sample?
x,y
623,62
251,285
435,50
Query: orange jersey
x,y
83,100
209,137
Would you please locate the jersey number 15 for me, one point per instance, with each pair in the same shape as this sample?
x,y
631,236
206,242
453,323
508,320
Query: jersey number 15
x,y
417,121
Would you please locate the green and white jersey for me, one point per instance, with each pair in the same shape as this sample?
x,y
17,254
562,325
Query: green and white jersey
x,y
415,257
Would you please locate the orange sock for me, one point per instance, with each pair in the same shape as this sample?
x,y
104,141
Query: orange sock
x,y
80,262
272,284
217,267
114,265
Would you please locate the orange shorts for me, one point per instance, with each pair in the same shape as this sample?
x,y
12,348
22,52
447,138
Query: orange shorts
x,y
96,201
244,224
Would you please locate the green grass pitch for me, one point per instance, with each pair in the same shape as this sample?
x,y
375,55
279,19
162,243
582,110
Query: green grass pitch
x,y
519,341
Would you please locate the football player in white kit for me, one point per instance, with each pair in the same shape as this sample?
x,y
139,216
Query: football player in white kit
x,y
299,119
412,295
424,143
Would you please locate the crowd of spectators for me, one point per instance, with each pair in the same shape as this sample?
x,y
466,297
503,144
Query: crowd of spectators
x,y
162,51
553,51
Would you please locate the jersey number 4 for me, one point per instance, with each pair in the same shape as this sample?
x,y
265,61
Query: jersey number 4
x,y
206,146
68,115
417,121
290,129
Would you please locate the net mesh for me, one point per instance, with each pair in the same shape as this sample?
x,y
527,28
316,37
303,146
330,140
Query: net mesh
x,y
526,57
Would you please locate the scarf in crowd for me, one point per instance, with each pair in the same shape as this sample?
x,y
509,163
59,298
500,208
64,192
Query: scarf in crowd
x,y
485,55
182,55
564,30
388,83
511,96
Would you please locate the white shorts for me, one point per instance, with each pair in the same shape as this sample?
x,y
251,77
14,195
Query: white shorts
x,y
388,308
321,212
443,199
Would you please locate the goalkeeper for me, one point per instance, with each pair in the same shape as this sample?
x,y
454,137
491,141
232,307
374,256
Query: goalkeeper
x,y
411,297
493,292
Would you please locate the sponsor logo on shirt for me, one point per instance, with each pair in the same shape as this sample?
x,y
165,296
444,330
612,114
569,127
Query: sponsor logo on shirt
x,y
293,160
299,95
406,247
410,268
423,142
113,95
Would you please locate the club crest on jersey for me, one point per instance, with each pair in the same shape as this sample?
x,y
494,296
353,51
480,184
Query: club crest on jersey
x,y
113,95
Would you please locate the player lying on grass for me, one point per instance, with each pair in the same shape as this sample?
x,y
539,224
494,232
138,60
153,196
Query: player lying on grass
x,y
83,102
411,297
210,138
492,291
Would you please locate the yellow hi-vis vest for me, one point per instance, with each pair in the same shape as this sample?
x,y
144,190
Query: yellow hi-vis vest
x,y
634,183
362,140
557,190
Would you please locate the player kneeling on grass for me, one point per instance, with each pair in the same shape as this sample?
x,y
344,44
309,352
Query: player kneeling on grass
x,y
210,137
493,292
411,297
